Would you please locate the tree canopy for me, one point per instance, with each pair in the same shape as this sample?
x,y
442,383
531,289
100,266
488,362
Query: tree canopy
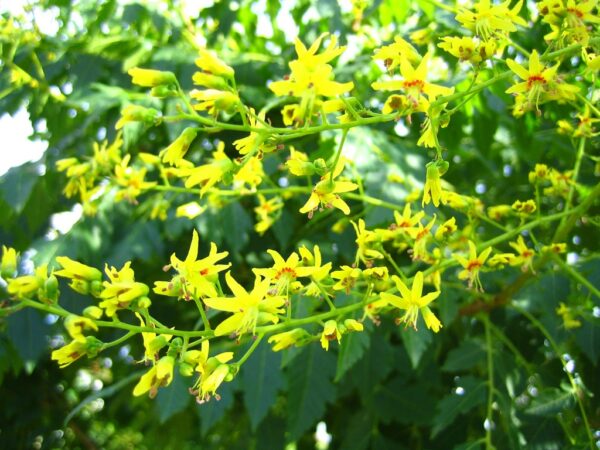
x,y
376,216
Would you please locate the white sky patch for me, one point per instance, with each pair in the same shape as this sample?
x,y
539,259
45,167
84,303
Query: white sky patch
x,y
17,149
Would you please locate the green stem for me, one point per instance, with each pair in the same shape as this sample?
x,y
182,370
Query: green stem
x,y
118,341
200,307
338,155
576,275
490,373
249,352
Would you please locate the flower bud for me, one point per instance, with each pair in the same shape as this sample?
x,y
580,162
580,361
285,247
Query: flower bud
x,y
8,266
151,78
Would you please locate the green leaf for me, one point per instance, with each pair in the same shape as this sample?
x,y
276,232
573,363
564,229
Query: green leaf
x,y
466,356
261,379
352,349
358,432
588,339
17,184
309,388
27,332
416,342
550,402
173,398
375,365
236,225
399,402
469,393
143,241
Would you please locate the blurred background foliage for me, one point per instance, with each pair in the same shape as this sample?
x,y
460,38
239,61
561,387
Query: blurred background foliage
x,y
388,388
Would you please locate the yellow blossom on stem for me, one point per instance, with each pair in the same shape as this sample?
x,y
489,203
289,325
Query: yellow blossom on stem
x,y
331,332
284,272
194,276
210,63
160,375
433,185
8,266
75,326
75,350
472,265
487,19
249,308
412,300
287,339
131,181
121,290
151,78
569,318
325,193
392,55
540,84
366,240
418,91
347,277
27,285
209,174
175,152
446,229
135,113
468,49
524,257
214,100
267,212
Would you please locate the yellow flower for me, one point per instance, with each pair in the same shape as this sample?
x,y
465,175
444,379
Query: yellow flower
x,y
209,174
489,19
250,174
213,100
131,180
414,85
524,208
195,277
413,301
210,63
121,290
433,185
446,229
255,142
76,324
347,278
175,152
151,78
325,193
569,318
8,267
524,257
313,260
158,376
267,212
27,285
134,113
249,308
366,240
472,265
540,84
284,272
392,55
75,350
499,211
468,49
331,331
69,353
555,247
311,74
295,337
